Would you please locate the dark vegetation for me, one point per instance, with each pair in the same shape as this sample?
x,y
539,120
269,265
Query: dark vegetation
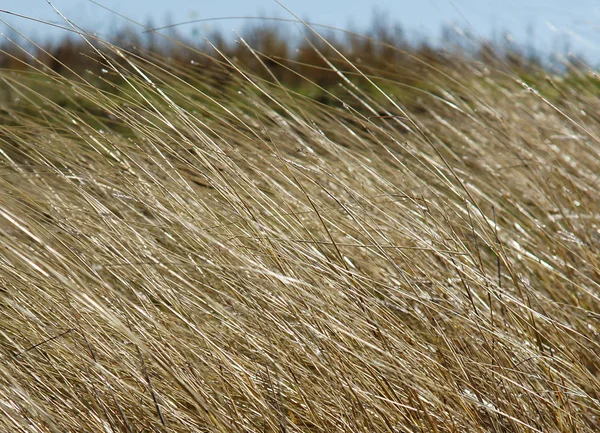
x,y
274,53
302,62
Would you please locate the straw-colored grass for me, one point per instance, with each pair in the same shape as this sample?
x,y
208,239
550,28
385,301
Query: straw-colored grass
x,y
180,258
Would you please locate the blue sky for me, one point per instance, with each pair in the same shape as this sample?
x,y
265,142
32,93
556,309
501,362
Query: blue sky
x,y
551,22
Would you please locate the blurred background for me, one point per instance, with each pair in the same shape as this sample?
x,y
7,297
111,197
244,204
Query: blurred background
x,y
536,27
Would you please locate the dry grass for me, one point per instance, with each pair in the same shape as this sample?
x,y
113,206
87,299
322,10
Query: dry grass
x,y
179,258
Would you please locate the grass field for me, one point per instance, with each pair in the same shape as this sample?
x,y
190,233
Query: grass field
x,y
182,256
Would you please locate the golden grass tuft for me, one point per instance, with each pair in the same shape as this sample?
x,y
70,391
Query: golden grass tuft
x,y
179,257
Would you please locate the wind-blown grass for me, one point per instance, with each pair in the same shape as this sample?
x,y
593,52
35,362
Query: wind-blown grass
x,y
183,258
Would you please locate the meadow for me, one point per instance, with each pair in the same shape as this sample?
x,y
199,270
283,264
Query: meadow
x,y
334,243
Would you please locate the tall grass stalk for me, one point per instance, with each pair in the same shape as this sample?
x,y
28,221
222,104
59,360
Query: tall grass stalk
x,y
178,256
